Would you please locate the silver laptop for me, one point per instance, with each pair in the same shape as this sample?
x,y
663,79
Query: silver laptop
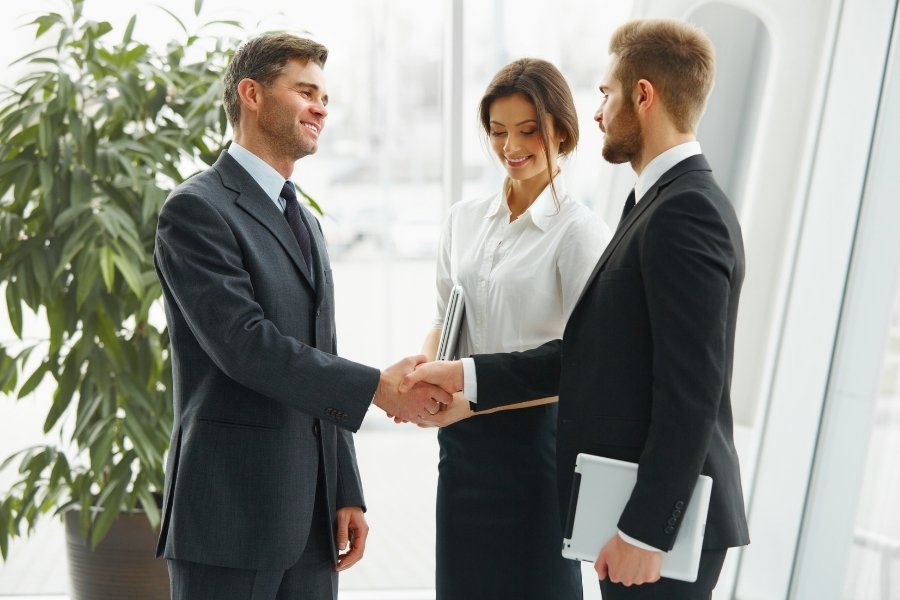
x,y
452,325
600,491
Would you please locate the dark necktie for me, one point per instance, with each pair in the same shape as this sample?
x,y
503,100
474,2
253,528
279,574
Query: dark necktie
x,y
292,214
629,204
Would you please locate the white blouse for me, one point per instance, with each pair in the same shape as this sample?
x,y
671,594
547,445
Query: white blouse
x,y
521,279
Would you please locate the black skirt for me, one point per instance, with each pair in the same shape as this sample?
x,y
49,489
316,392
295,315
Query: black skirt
x,y
499,532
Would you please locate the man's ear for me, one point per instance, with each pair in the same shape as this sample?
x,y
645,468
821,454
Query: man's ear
x,y
644,95
249,92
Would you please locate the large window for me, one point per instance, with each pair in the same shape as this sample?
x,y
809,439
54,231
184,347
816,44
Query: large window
x,y
379,177
873,570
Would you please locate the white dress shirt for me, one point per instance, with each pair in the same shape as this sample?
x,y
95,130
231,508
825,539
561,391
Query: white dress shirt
x,y
520,279
262,173
648,177
662,163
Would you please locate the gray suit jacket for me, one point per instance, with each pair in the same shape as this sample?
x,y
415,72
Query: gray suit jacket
x,y
260,396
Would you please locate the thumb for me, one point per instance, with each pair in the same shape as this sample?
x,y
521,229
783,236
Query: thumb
x,y
601,566
343,522
411,379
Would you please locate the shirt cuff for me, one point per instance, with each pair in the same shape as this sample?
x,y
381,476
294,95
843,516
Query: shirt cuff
x,y
638,543
470,381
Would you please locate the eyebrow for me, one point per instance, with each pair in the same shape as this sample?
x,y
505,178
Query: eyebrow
x,y
515,124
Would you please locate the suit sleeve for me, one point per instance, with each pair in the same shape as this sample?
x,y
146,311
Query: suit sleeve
x,y
687,264
513,377
349,482
199,259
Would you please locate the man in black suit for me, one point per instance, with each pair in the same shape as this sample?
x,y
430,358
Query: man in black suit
x,y
263,498
643,370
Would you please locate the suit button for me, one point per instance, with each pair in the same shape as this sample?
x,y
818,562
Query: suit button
x,y
318,312
676,513
669,530
679,504
316,429
672,521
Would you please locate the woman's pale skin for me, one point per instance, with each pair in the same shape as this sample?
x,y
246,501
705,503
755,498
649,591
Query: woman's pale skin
x,y
516,140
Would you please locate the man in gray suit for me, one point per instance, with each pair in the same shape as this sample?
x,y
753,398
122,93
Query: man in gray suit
x,y
263,498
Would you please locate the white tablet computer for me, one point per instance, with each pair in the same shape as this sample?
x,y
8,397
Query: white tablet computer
x,y
452,325
600,491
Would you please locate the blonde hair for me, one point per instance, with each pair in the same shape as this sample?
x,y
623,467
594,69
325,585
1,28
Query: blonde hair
x,y
676,57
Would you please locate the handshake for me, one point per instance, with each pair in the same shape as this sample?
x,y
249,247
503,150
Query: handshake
x,y
425,393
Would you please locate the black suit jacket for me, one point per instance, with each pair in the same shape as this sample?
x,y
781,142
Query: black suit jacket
x,y
260,396
643,370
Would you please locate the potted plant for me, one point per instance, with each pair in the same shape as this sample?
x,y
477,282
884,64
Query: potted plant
x,y
92,139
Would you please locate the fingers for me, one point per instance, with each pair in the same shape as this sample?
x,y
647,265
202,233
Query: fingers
x,y
447,375
358,532
410,380
626,564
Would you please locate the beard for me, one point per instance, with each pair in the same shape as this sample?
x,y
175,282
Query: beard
x,y
624,140
285,134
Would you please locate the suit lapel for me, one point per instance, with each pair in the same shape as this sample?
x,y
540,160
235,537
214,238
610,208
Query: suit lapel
x,y
692,163
254,201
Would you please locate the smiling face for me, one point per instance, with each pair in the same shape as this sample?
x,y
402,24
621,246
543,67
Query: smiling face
x,y
292,110
516,138
618,120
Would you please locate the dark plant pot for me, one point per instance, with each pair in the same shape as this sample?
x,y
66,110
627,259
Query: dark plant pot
x,y
123,565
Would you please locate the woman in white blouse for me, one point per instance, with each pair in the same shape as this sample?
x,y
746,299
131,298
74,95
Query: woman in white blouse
x,y
522,257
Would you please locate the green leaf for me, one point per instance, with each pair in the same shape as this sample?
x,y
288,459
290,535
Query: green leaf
x,y
86,283
145,449
111,510
148,503
14,309
130,273
101,449
174,16
107,268
61,470
198,6
62,397
129,30
8,372
34,380
30,55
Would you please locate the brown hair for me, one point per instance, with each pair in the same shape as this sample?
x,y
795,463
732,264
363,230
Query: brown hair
x,y
263,58
676,57
544,86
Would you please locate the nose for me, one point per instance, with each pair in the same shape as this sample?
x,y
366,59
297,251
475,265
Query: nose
x,y
320,109
511,143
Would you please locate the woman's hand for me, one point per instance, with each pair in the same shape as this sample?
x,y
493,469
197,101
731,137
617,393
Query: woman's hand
x,y
457,410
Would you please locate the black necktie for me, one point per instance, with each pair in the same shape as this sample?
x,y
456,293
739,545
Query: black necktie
x,y
292,214
629,204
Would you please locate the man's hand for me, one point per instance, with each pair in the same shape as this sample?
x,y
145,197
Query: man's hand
x,y
352,531
414,402
446,374
457,410
627,564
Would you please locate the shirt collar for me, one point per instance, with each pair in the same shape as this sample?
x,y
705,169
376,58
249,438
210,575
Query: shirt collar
x,y
662,163
262,172
541,210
